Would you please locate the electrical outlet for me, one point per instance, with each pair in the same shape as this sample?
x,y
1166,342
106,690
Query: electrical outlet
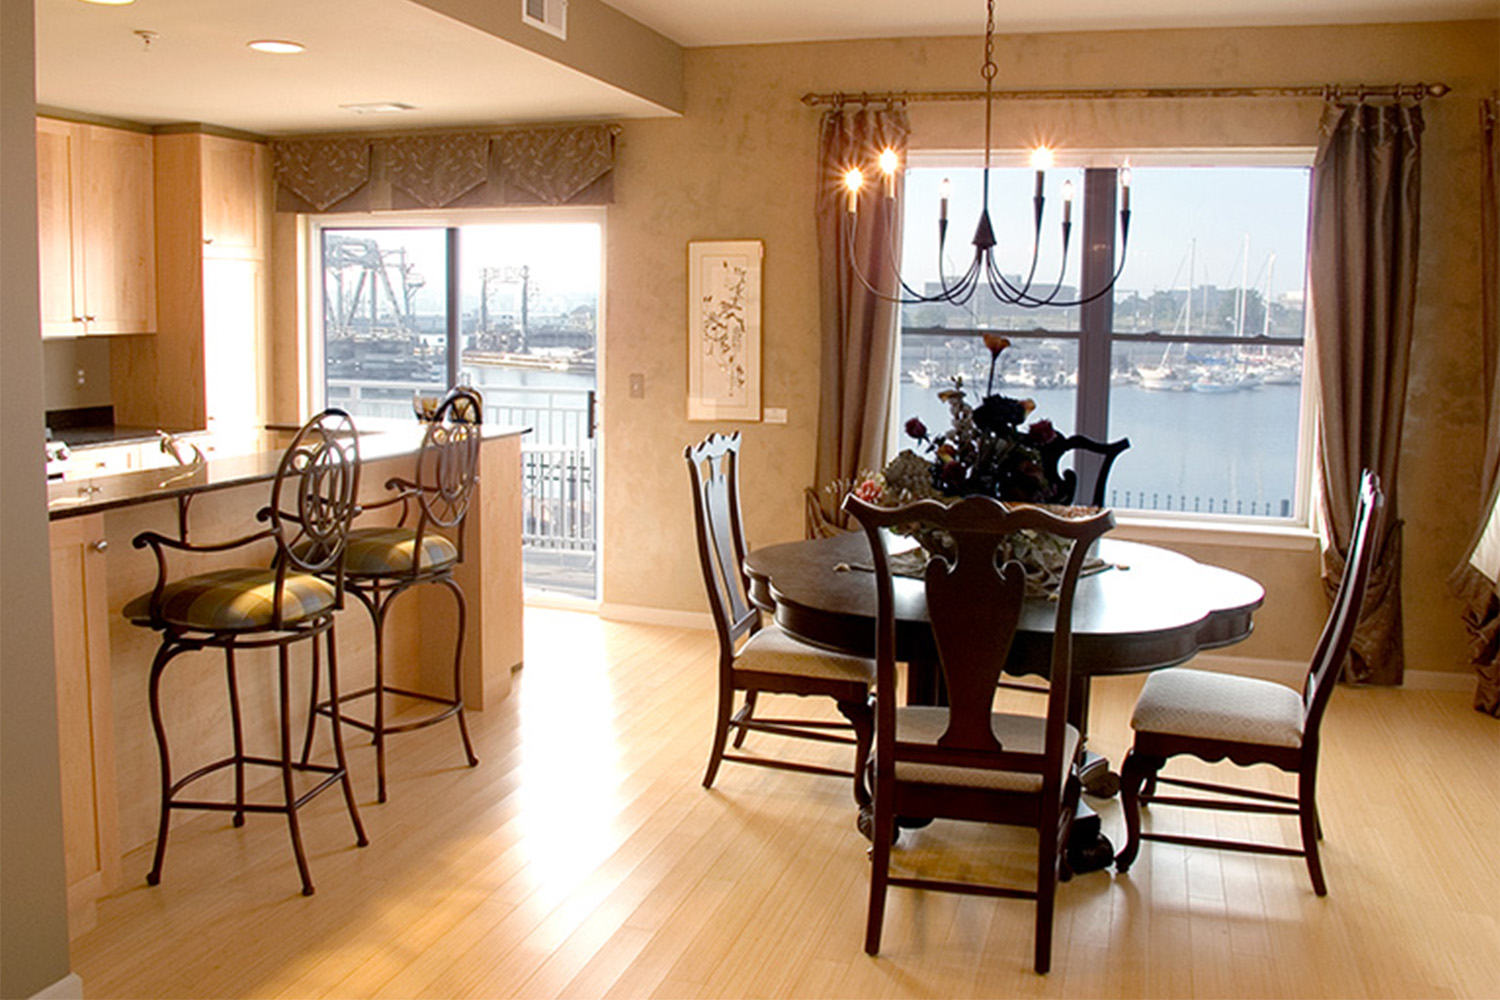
x,y
82,377
775,415
637,385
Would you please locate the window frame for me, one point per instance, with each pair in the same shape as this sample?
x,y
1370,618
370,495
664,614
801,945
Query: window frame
x,y
1096,338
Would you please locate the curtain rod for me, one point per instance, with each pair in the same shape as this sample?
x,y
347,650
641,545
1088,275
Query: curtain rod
x,y
1415,91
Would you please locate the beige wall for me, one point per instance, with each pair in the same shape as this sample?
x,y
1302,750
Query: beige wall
x,y
33,904
741,164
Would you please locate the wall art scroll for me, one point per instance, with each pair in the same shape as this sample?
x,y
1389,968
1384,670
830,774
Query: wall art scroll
x,y
724,330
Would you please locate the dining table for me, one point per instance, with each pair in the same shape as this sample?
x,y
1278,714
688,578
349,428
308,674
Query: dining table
x,y
1140,608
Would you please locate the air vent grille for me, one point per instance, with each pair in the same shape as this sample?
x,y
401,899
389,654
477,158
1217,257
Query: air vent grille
x,y
550,16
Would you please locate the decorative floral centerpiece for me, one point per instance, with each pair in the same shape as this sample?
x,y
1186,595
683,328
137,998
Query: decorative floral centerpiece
x,y
986,452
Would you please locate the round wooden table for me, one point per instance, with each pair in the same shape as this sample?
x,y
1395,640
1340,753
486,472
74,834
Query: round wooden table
x,y
1151,608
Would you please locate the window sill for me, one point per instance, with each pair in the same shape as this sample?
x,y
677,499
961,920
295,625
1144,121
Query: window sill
x,y
1284,537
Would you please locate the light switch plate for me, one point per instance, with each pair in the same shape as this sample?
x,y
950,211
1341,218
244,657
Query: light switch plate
x,y
637,385
775,415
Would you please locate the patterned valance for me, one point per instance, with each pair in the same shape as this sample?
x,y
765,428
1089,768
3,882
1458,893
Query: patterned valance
x,y
535,166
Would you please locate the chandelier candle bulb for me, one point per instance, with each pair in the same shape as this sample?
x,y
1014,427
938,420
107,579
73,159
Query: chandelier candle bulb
x,y
853,179
890,164
945,189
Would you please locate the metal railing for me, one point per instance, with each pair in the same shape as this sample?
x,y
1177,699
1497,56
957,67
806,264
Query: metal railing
x,y
1182,503
558,461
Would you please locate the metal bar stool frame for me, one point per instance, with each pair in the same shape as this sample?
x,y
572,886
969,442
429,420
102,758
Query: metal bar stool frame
x,y
321,466
437,497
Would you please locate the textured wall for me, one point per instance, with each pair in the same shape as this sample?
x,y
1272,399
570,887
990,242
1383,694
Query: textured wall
x,y
740,164
33,906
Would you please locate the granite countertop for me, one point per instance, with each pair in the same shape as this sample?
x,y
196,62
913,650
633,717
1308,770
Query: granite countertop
x,y
74,498
91,437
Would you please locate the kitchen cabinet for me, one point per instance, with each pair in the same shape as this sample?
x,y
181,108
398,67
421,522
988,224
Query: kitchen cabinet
x,y
213,198
96,229
85,734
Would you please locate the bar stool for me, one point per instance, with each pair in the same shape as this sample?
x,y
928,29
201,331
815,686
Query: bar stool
x,y
385,562
294,599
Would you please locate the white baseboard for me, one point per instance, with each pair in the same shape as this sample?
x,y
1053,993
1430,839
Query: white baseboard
x,y
69,987
655,616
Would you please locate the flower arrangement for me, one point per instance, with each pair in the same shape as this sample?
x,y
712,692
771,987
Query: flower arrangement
x,y
986,451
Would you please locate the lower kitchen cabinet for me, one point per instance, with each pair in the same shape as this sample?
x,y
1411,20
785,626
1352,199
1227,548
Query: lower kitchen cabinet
x,y
80,627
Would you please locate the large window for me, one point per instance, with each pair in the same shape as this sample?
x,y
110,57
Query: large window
x,y
1196,354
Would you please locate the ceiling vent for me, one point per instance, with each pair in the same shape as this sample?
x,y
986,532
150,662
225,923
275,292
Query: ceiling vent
x,y
550,16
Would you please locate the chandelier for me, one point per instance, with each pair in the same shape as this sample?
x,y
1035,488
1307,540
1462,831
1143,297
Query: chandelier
x,y
958,290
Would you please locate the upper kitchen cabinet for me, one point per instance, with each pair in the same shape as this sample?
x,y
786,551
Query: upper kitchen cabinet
x,y
96,229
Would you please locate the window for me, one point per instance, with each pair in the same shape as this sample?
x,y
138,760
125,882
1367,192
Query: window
x,y
413,306
1196,354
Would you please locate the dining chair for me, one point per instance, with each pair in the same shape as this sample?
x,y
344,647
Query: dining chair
x,y
1067,479
423,547
758,658
1249,721
293,599
964,760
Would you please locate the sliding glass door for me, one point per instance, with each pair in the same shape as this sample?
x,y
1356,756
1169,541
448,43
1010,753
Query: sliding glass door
x,y
509,307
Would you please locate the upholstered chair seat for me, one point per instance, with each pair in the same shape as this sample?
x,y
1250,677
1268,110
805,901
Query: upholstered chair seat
x,y
1213,706
922,724
772,651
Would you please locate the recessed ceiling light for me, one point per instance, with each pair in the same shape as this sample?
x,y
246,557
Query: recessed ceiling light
x,y
110,3
276,45
378,107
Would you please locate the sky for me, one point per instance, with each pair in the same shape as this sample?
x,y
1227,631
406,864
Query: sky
x,y
1178,214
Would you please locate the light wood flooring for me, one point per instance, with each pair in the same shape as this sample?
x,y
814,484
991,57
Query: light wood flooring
x,y
582,858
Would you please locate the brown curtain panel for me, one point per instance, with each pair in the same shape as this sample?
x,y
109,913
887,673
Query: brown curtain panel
x,y
858,326
1478,592
1363,277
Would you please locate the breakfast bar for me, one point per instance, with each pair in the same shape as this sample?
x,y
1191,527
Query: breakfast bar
x,y
107,753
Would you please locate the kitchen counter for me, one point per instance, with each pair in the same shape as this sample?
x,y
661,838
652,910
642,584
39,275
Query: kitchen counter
x,y
77,497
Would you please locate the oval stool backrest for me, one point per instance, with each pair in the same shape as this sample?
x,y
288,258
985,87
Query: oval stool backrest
x,y
448,464
321,468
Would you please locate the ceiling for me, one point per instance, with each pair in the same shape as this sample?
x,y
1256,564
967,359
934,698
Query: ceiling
x,y
197,68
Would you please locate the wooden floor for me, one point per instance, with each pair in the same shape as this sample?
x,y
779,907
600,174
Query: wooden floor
x,y
582,858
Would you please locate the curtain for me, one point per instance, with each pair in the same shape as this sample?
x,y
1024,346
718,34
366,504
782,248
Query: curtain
x,y
858,326
1362,275
1480,592
534,166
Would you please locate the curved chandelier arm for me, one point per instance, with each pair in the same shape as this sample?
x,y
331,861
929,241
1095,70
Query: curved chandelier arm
x,y
955,294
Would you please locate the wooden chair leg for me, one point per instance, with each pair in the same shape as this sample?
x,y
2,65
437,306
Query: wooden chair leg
x,y
1048,859
1137,770
880,868
1307,816
862,717
721,734
748,713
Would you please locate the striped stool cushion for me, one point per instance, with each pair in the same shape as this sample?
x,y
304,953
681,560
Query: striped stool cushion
x,y
229,600
388,551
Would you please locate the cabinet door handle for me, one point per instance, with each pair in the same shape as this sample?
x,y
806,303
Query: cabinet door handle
x,y
90,319
102,545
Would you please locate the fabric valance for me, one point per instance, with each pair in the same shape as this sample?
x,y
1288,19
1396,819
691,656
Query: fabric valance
x,y
563,165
